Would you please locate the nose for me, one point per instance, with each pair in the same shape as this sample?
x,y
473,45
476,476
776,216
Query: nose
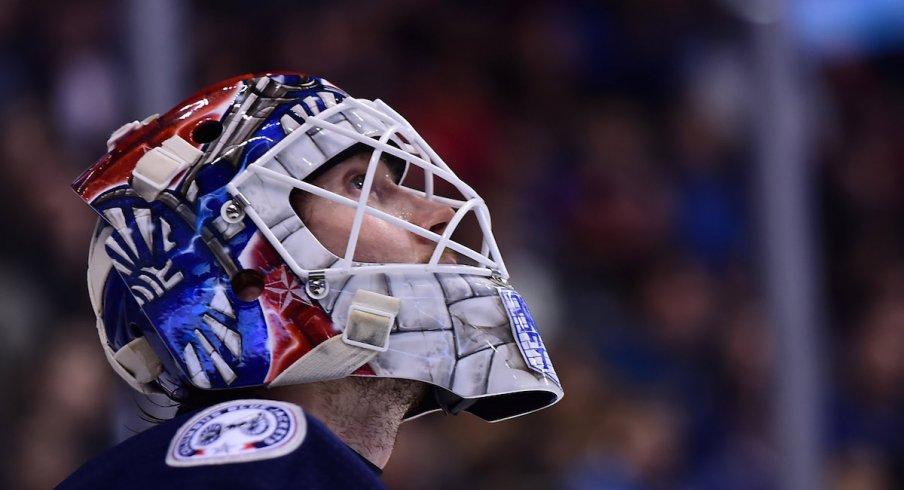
x,y
430,215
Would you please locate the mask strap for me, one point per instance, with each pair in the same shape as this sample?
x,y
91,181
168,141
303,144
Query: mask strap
x,y
370,319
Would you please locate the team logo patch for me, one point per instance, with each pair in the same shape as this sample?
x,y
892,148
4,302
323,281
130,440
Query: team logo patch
x,y
238,431
526,335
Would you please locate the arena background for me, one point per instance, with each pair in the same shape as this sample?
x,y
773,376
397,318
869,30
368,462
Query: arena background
x,y
700,200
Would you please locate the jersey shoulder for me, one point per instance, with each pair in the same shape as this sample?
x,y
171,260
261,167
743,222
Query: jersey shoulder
x,y
250,443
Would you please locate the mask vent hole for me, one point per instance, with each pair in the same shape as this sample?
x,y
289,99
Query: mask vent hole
x,y
247,284
206,131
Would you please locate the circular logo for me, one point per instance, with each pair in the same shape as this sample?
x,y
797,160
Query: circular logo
x,y
237,431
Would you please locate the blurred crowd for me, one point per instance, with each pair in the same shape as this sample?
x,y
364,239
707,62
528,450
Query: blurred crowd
x,y
613,143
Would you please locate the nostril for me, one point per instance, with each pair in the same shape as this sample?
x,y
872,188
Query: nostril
x,y
431,215
433,218
439,228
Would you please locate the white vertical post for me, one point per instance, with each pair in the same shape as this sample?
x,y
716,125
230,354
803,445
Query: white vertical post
x,y
785,199
157,47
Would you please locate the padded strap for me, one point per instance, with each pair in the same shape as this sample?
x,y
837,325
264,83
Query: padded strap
x,y
370,319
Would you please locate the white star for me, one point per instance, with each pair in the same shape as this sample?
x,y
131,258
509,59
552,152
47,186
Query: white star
x,y
223,448
286,288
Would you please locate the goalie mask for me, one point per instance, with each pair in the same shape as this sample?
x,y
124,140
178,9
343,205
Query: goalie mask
x,y
235,250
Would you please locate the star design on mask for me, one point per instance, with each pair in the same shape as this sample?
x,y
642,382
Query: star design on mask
x,y
284,287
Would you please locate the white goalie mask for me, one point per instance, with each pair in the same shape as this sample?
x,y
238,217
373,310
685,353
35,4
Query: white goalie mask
x,y
246,288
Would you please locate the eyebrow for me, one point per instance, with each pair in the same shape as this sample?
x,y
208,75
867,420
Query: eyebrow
x,y
396,165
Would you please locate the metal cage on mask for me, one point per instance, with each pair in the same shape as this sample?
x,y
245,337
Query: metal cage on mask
x,y
183,217
376,125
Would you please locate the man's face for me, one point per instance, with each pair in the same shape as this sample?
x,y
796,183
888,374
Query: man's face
x,y
379,241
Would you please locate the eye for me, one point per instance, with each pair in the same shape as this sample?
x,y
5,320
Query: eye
x,y
357,181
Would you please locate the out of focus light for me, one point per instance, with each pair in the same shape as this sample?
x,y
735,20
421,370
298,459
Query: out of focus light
x,y
841,28
831,28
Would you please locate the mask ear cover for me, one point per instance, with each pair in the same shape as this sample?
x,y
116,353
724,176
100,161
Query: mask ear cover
x,y
129,339
124,340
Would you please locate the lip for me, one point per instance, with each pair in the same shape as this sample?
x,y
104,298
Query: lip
x,y
448,257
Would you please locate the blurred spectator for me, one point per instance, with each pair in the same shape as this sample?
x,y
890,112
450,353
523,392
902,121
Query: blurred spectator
x,y
635,444
65,406
860,469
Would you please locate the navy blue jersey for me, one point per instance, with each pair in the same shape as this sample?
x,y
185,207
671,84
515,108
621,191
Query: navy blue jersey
x,y
242,444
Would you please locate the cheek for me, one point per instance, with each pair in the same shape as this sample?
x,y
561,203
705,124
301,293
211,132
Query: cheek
x,y
380,241
330,224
